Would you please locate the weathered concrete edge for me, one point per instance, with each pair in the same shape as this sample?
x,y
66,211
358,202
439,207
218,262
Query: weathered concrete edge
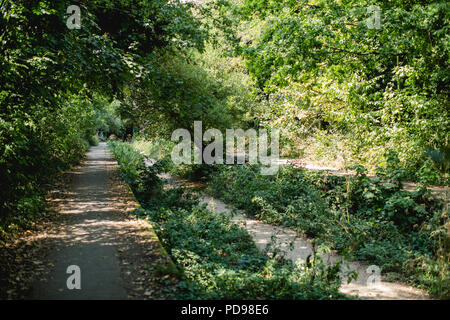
x,y
136,205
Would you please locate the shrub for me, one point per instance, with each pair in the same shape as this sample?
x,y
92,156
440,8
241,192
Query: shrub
x,y
218,258
372,219
93,140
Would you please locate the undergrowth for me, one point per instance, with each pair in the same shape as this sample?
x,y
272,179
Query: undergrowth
x,y
218,258
370,219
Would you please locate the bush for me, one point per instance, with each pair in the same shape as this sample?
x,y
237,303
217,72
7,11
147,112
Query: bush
x,y
31,153
222,262
218,258
372,219
142,179
93,140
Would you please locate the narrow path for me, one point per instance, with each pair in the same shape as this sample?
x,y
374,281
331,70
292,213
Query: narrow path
x,y
119,255
89,239
263,233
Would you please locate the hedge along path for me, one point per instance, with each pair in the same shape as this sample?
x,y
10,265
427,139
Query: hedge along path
x,y
298,249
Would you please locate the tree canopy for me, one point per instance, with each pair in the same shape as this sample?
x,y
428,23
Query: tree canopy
x,y
372,75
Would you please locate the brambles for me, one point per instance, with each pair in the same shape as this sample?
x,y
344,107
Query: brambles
x,y
218,258
371,219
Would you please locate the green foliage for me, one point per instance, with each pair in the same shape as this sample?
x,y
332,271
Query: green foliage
x,y
35,149
93,140
287,199
314,69
142,179
222,262
172,93
156,148
321,70
108,121
57,83
219,258
371,219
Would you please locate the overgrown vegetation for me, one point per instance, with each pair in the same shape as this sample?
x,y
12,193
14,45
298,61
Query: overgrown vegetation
x,y
370,219
218,258
322,67
343,93
58,84
342,90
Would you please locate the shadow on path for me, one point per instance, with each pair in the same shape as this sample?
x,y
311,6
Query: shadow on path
x,y
88,239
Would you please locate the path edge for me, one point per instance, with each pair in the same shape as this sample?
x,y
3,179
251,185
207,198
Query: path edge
x,y
133,204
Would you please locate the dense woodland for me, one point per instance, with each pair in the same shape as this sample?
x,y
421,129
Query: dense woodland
x,y
345,89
